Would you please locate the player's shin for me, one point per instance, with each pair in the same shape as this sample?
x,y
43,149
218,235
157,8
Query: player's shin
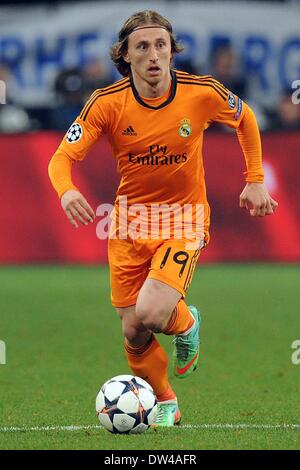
x,y
150,362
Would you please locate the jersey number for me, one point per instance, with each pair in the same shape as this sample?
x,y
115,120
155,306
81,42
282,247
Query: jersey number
x,y
180,257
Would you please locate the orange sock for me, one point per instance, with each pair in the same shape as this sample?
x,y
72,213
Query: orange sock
x,y
169,394
180,321
150,362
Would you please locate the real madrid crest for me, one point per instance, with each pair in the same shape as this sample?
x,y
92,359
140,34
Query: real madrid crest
x,y
185,128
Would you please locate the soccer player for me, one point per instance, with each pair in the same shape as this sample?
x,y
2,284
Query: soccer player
x,y
154,119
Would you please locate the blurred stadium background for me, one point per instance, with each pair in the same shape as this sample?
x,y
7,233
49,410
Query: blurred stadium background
x,y
52,56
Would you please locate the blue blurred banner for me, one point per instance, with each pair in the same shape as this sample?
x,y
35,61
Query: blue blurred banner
x,y
36,41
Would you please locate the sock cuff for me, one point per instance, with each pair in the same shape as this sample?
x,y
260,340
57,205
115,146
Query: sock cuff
x,y
138,350
170,326
181,320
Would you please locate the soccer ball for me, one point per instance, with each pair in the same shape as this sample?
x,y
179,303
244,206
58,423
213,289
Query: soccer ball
x,y
126,404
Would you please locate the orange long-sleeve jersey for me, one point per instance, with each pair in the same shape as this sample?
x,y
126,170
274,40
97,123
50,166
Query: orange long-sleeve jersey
x,y
157,142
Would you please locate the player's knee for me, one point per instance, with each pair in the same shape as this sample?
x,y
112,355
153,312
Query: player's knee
x,y
131,333
152,316
134,331
136,337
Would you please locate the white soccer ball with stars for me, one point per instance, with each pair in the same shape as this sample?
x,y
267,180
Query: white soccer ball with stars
x,y
126,404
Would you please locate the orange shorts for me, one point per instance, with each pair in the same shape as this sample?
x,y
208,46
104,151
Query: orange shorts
x,y
133,261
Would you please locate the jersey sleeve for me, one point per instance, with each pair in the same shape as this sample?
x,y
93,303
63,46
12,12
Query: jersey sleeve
x,y
87,128
226,108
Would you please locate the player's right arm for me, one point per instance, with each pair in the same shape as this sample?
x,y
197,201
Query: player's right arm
x,y
81,136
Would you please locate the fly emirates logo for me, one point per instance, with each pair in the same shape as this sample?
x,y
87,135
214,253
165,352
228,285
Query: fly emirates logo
x,y
158,155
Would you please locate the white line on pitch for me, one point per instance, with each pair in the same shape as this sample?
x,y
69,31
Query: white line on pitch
x,y
221,426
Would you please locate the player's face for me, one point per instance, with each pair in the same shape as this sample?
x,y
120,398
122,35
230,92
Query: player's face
x,y
149,54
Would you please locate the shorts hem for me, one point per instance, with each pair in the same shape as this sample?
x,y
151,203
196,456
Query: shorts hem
x,y
167,281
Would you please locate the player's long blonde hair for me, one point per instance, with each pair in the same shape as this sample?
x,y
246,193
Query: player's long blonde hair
x,y
119,49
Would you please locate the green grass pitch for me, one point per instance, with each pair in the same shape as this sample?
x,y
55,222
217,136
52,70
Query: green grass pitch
x,y
63,340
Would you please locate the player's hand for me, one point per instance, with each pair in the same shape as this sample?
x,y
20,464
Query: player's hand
x,y
77,208
256,198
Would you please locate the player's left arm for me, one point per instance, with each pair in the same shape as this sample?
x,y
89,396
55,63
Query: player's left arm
x,y
230,110
255,195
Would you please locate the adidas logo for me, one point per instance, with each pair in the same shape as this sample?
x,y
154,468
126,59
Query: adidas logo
x,y
129,131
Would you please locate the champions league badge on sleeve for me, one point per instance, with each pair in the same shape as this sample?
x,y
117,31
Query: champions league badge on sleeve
x,y
239,109
74,133
231,101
